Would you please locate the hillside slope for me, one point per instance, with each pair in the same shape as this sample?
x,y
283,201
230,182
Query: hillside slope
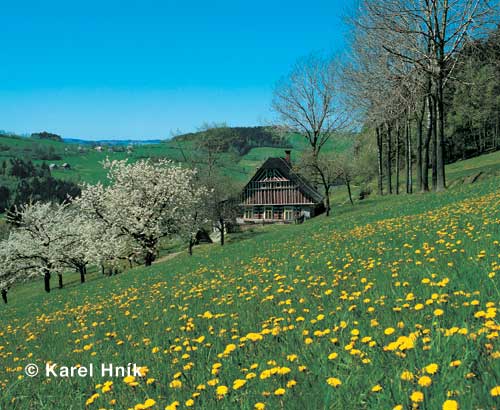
x,y
392,302
85,160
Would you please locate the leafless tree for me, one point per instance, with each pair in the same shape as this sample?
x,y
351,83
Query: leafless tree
x,y
382,90
433,32
308,100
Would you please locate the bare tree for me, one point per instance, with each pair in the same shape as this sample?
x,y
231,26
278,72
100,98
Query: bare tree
x,y
427,34
308,102
222,202
381,90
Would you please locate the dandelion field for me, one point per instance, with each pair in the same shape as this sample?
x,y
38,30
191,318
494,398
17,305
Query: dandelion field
x,y
390,304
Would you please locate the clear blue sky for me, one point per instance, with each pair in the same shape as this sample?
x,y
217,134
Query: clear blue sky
x,y
139,69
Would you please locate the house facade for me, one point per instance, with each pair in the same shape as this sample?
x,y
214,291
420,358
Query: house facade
x,y
278,194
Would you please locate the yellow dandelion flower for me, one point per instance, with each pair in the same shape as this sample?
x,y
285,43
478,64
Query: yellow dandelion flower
x,y
425,381
333,381
450,405
172,406
129,379
431,368
407,376
417,397
91,399
149,403
254,337
238,384
175,384
221,391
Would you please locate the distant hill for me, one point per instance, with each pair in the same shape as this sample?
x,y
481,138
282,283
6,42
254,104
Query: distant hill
x,y
244,150
239,139
111,142
46,136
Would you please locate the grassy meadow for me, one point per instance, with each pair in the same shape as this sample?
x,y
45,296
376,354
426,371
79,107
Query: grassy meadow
x,y
390,304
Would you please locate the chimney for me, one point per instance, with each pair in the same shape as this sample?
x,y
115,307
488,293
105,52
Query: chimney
x,y
288,156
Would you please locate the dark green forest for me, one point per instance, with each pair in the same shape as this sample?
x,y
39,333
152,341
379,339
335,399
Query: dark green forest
x,y
473,120
22,181
239,140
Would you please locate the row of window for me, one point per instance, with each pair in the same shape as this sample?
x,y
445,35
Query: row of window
x,y
269,213
274,184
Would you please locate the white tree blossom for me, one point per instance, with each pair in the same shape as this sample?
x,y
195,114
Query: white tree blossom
x,y
144,202
10,271
40,240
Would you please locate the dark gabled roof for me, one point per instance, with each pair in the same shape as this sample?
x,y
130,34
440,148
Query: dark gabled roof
x,y
286,170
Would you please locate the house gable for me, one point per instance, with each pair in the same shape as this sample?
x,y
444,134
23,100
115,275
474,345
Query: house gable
x,y
275,183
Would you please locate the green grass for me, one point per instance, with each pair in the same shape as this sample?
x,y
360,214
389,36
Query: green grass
x,y
488,164
331,285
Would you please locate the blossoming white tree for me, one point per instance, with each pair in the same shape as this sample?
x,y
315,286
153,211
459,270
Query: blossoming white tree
x,y
10,271
144,201
85,242
40,240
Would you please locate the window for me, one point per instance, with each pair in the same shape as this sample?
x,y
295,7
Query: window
x,y
248,213
269,213
278,212
288,214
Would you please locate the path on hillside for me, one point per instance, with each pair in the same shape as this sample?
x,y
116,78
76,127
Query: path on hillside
x,y
167,257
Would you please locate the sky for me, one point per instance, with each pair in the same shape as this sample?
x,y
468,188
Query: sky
x,y
119,69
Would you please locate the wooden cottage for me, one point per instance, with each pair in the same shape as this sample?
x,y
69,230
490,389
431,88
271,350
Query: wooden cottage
x,y
278,194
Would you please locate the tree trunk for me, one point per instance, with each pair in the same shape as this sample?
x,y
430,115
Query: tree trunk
x,y
103,271
222,226
60,277
46,280
497,133
427,142
420,129
191,244
389,159
150,257
398,154
83,271
409,170
434,144
348,185
440,167
327,200
4,295
380,175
